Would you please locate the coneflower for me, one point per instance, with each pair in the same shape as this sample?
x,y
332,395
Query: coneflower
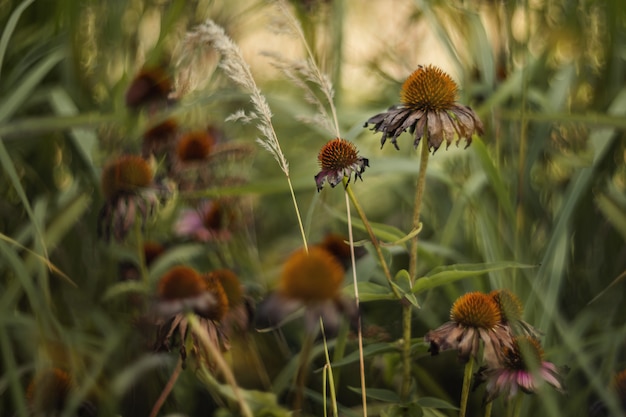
x,y
339,158
428,108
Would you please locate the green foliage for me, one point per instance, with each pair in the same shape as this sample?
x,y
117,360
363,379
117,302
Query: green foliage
x,y
536,205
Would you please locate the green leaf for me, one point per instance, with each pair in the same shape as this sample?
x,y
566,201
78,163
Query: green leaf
x,y
24,89
379,394
432,402
371,291
447,274
369,350
125,287
10,27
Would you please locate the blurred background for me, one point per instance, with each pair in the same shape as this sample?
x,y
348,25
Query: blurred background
x,y
544,186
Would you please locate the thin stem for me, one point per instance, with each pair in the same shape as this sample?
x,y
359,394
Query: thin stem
x,y
356,299
374,240
467,381
407,307
488,408
517,405
417,207
328,368
167,389
303,369
300,224
141,254
220,362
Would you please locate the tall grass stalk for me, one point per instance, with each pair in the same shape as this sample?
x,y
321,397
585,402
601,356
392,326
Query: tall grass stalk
x,y
328,376
237,69
356,300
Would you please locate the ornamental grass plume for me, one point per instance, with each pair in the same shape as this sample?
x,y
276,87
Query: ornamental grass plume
x,y
428,110
127,187
310,280
522,369
475,317
339,158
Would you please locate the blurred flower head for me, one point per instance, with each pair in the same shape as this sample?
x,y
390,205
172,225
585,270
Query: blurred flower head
x,y
522,369
182,289
194,146
209,222
311,280
339,158
428,110
226,313
338,247
48,393
159,141
511,312
150,87
475,317
126,184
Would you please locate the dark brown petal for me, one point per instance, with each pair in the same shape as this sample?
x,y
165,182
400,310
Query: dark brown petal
x,y
419,131
448,128
435,136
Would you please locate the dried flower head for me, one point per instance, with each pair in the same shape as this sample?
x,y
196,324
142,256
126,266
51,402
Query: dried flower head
x,y
618,385
428,110
194,146
182,289
150,86
522,368
126,185
339,158
475,316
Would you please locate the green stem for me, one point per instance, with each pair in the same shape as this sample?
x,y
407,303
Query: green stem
x,y
517,405
328,368
417,207
407,307
356,297
467,381
373,239
220,362
141,253
488,408
303,370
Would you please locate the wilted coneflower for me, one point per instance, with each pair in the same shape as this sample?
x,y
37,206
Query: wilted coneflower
x,y
428,109
182,289
311,280
512,311
219,321
126,185
209,222
339,158
522,368
151,86
475,316
192,166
